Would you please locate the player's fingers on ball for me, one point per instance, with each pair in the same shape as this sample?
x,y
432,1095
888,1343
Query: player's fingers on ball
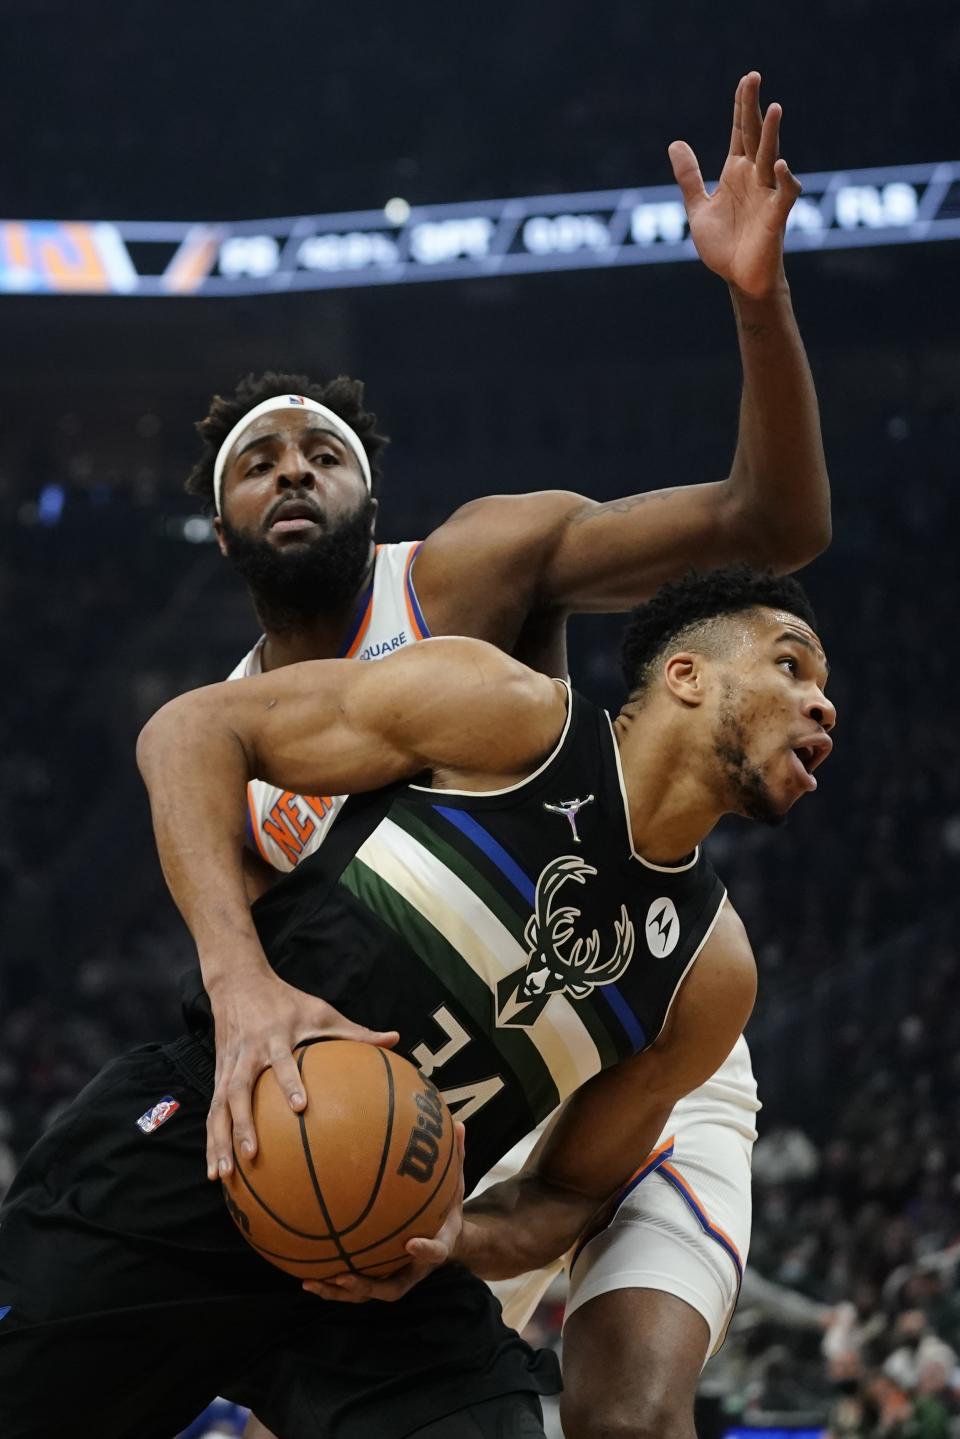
x,y
323,1289
327,1289
388,1291
351,1285
219,1148
449,1231
452,1219
343,1028
287,1075
212,1151
429,1252
346,1290
238,1097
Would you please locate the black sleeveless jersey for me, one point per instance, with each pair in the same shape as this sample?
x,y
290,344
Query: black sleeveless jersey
x,y
513,937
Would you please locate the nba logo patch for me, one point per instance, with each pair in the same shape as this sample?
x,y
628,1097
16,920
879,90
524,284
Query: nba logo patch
x,y
295,399
158,1115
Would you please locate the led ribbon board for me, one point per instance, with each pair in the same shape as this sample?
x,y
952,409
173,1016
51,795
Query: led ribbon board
x,y
897,205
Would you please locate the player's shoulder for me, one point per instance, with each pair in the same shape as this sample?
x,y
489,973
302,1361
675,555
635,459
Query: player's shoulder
x,y
715,998
464,664
500,540
727,959
480,684
524,527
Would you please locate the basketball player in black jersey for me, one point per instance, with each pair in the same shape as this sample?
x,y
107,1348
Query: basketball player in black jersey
x,y
114,1251
509,569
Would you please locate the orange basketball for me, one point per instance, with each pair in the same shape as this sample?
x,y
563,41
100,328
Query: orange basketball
x,y
340,1188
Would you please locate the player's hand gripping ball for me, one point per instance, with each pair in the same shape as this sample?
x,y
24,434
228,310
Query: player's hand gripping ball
x,y
369,1164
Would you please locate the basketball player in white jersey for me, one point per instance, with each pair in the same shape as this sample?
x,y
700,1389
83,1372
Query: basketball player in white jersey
x,y
289,468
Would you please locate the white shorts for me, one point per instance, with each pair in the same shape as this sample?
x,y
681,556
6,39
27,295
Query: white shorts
x,y
682,1225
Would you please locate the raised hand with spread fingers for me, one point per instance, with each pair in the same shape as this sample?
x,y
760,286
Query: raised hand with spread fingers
x,y
739,229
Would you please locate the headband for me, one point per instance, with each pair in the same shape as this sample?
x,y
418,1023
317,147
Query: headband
x,y
283,402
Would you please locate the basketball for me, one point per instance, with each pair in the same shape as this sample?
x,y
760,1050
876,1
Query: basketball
x,y
340,1188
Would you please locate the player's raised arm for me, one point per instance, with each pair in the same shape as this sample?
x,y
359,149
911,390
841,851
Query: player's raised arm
x,y
330,726
772,510
608,1128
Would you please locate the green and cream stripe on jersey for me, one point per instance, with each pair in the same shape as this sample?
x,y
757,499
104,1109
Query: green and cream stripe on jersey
x,y
461,928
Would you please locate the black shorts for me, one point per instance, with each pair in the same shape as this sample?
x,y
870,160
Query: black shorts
x,y
131,1299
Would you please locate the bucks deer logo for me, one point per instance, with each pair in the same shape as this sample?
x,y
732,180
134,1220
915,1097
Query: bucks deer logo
x,y
559,961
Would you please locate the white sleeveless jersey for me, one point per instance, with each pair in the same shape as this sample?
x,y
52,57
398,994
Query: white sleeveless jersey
x,y
284,827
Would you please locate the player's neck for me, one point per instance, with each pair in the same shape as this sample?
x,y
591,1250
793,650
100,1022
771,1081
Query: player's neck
x,y
671,805
311,613
291,639
318,639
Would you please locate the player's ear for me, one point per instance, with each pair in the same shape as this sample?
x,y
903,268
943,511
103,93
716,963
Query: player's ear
x,y
685,678
374,508
221,538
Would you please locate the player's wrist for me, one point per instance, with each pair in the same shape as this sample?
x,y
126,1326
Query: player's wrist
x,y
226,971
772,295
480,1247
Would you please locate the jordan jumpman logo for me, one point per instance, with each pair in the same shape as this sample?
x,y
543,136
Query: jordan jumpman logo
x,y
570,808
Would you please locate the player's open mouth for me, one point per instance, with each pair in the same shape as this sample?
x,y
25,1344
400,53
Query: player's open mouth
x,y
296,522
807,757
800,764
295,515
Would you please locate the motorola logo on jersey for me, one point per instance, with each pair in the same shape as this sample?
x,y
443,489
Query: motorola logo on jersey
x,y
662,927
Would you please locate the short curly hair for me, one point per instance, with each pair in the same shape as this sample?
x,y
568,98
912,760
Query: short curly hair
x,y
343,395
680,611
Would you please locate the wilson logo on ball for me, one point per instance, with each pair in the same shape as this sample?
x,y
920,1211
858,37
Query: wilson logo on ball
x,y
423,1150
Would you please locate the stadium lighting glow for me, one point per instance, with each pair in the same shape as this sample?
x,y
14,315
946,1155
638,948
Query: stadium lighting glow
x,y
397,211
893,205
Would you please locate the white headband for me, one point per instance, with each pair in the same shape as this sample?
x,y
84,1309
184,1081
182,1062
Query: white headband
x,y
284,402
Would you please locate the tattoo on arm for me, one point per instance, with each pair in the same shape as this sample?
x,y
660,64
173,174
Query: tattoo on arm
x,y
753,328
590,511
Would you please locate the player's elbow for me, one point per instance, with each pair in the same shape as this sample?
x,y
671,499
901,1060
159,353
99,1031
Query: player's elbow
x,y
154,740
800,543
172,731
782,541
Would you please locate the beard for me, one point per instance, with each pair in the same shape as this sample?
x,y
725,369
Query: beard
x,y
744,782
291,585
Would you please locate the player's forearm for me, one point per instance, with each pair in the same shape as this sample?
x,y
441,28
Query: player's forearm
x,y
196,772
778,479
520,1225
593,1144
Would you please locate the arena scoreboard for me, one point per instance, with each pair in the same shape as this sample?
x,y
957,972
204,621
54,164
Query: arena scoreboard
x,y
398,244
